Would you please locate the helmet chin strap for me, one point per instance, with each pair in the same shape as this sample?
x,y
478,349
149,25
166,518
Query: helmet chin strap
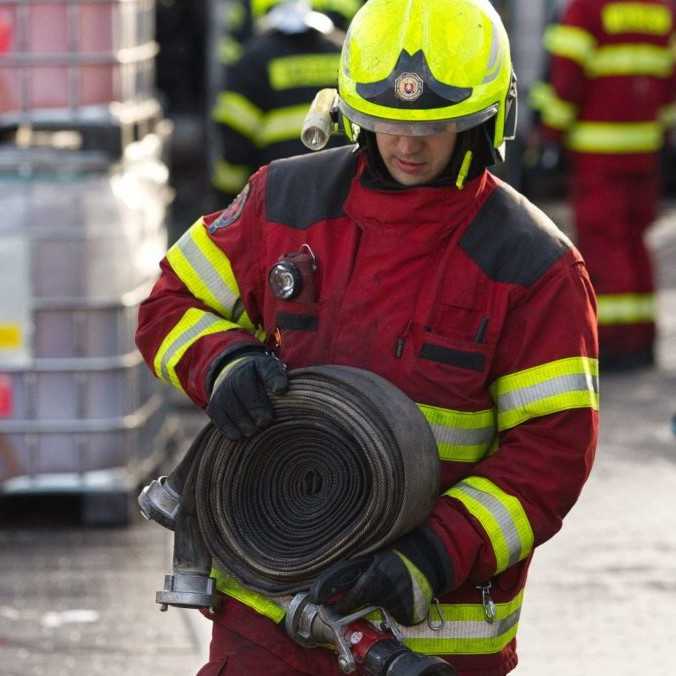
x,y
476,143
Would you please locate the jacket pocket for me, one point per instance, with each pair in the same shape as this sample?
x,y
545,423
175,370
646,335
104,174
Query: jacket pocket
x,y
436,349
294,316
295,332
449,369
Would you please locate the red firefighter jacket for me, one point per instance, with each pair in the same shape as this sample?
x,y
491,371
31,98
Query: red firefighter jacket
x,y
612,85
472,302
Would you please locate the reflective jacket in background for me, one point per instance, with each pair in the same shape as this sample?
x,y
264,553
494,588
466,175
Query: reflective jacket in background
x,y
268,93
238,17
610,98
471,301
612,85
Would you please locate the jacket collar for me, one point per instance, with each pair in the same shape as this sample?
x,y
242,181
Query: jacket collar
x,y
435,208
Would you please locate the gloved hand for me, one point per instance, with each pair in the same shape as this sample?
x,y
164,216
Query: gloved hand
x,y
403,579
240,404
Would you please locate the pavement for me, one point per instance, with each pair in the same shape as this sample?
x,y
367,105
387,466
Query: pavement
x,y
601,597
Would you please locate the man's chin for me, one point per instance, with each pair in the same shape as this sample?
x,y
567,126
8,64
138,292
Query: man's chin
x,y
407,179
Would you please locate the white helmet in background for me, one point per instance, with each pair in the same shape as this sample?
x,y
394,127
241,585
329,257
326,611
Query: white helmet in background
x,y
290,17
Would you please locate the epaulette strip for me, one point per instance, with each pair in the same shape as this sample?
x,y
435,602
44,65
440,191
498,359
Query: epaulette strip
x,y
305,189
511,240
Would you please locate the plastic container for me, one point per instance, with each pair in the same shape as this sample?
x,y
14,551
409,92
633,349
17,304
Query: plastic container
x,y
80,242
71,54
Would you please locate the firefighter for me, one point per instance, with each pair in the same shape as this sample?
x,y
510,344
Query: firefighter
x,y
238,16
431,272
610,88
269,89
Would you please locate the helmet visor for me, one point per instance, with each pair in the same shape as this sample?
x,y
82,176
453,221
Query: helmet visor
x,y
417,127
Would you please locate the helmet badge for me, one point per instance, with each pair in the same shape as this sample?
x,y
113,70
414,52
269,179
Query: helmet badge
x,y
408,87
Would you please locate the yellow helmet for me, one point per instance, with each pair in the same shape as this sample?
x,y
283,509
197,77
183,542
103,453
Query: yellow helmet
x,y
416,67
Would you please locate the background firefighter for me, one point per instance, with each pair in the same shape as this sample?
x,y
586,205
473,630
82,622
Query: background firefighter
x,y
268,89
608,100
437,276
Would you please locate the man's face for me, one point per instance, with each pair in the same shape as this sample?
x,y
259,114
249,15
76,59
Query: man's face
x,y
413,160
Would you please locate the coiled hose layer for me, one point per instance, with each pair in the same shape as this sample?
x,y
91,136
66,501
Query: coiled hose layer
x,y
348,465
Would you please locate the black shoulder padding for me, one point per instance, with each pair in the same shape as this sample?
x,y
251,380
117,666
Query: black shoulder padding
x,y
309,188
511,240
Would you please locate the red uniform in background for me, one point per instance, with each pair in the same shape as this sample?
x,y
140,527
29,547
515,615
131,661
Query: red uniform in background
x,y
609,99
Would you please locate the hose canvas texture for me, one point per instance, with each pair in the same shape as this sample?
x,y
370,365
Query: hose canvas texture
x,y
348,466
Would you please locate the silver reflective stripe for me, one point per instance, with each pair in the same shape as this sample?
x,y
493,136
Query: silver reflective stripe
x,y
188,336
207,273
459,630
463,437
502,516
550,388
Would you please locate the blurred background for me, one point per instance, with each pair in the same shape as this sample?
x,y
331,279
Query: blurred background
x,y
121,121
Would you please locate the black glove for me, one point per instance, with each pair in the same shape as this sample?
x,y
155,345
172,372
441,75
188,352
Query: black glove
x,y
403,579
239,404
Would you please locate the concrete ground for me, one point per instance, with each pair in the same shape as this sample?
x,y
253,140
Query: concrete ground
x,y
602,594
601,598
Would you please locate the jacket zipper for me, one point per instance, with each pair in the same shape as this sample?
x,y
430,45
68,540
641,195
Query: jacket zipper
x,y
400,343
480,336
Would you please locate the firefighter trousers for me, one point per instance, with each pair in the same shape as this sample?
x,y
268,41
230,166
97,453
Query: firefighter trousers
x,y
613,211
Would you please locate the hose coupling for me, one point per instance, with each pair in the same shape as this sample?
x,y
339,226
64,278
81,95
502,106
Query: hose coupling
x,y
159,502
187,590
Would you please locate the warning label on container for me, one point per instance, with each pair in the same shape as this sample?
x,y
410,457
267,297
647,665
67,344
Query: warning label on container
x,y
5,397
16,323
10,336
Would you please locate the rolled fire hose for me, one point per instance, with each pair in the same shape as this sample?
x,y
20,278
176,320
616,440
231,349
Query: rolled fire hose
x,y
348,465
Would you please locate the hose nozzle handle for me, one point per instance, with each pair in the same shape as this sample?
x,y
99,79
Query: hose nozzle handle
x,y
320,120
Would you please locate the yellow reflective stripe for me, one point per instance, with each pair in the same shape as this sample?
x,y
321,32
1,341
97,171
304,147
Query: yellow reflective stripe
x,y
308,70
205,270
347,8
548,388
230,178
606,137
193,325
233,15
465,630
229,50
570,42
461,436
260,7
612,60
263,605
556,112
626,308
239,113
208,275
636,17
283,124
502,517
